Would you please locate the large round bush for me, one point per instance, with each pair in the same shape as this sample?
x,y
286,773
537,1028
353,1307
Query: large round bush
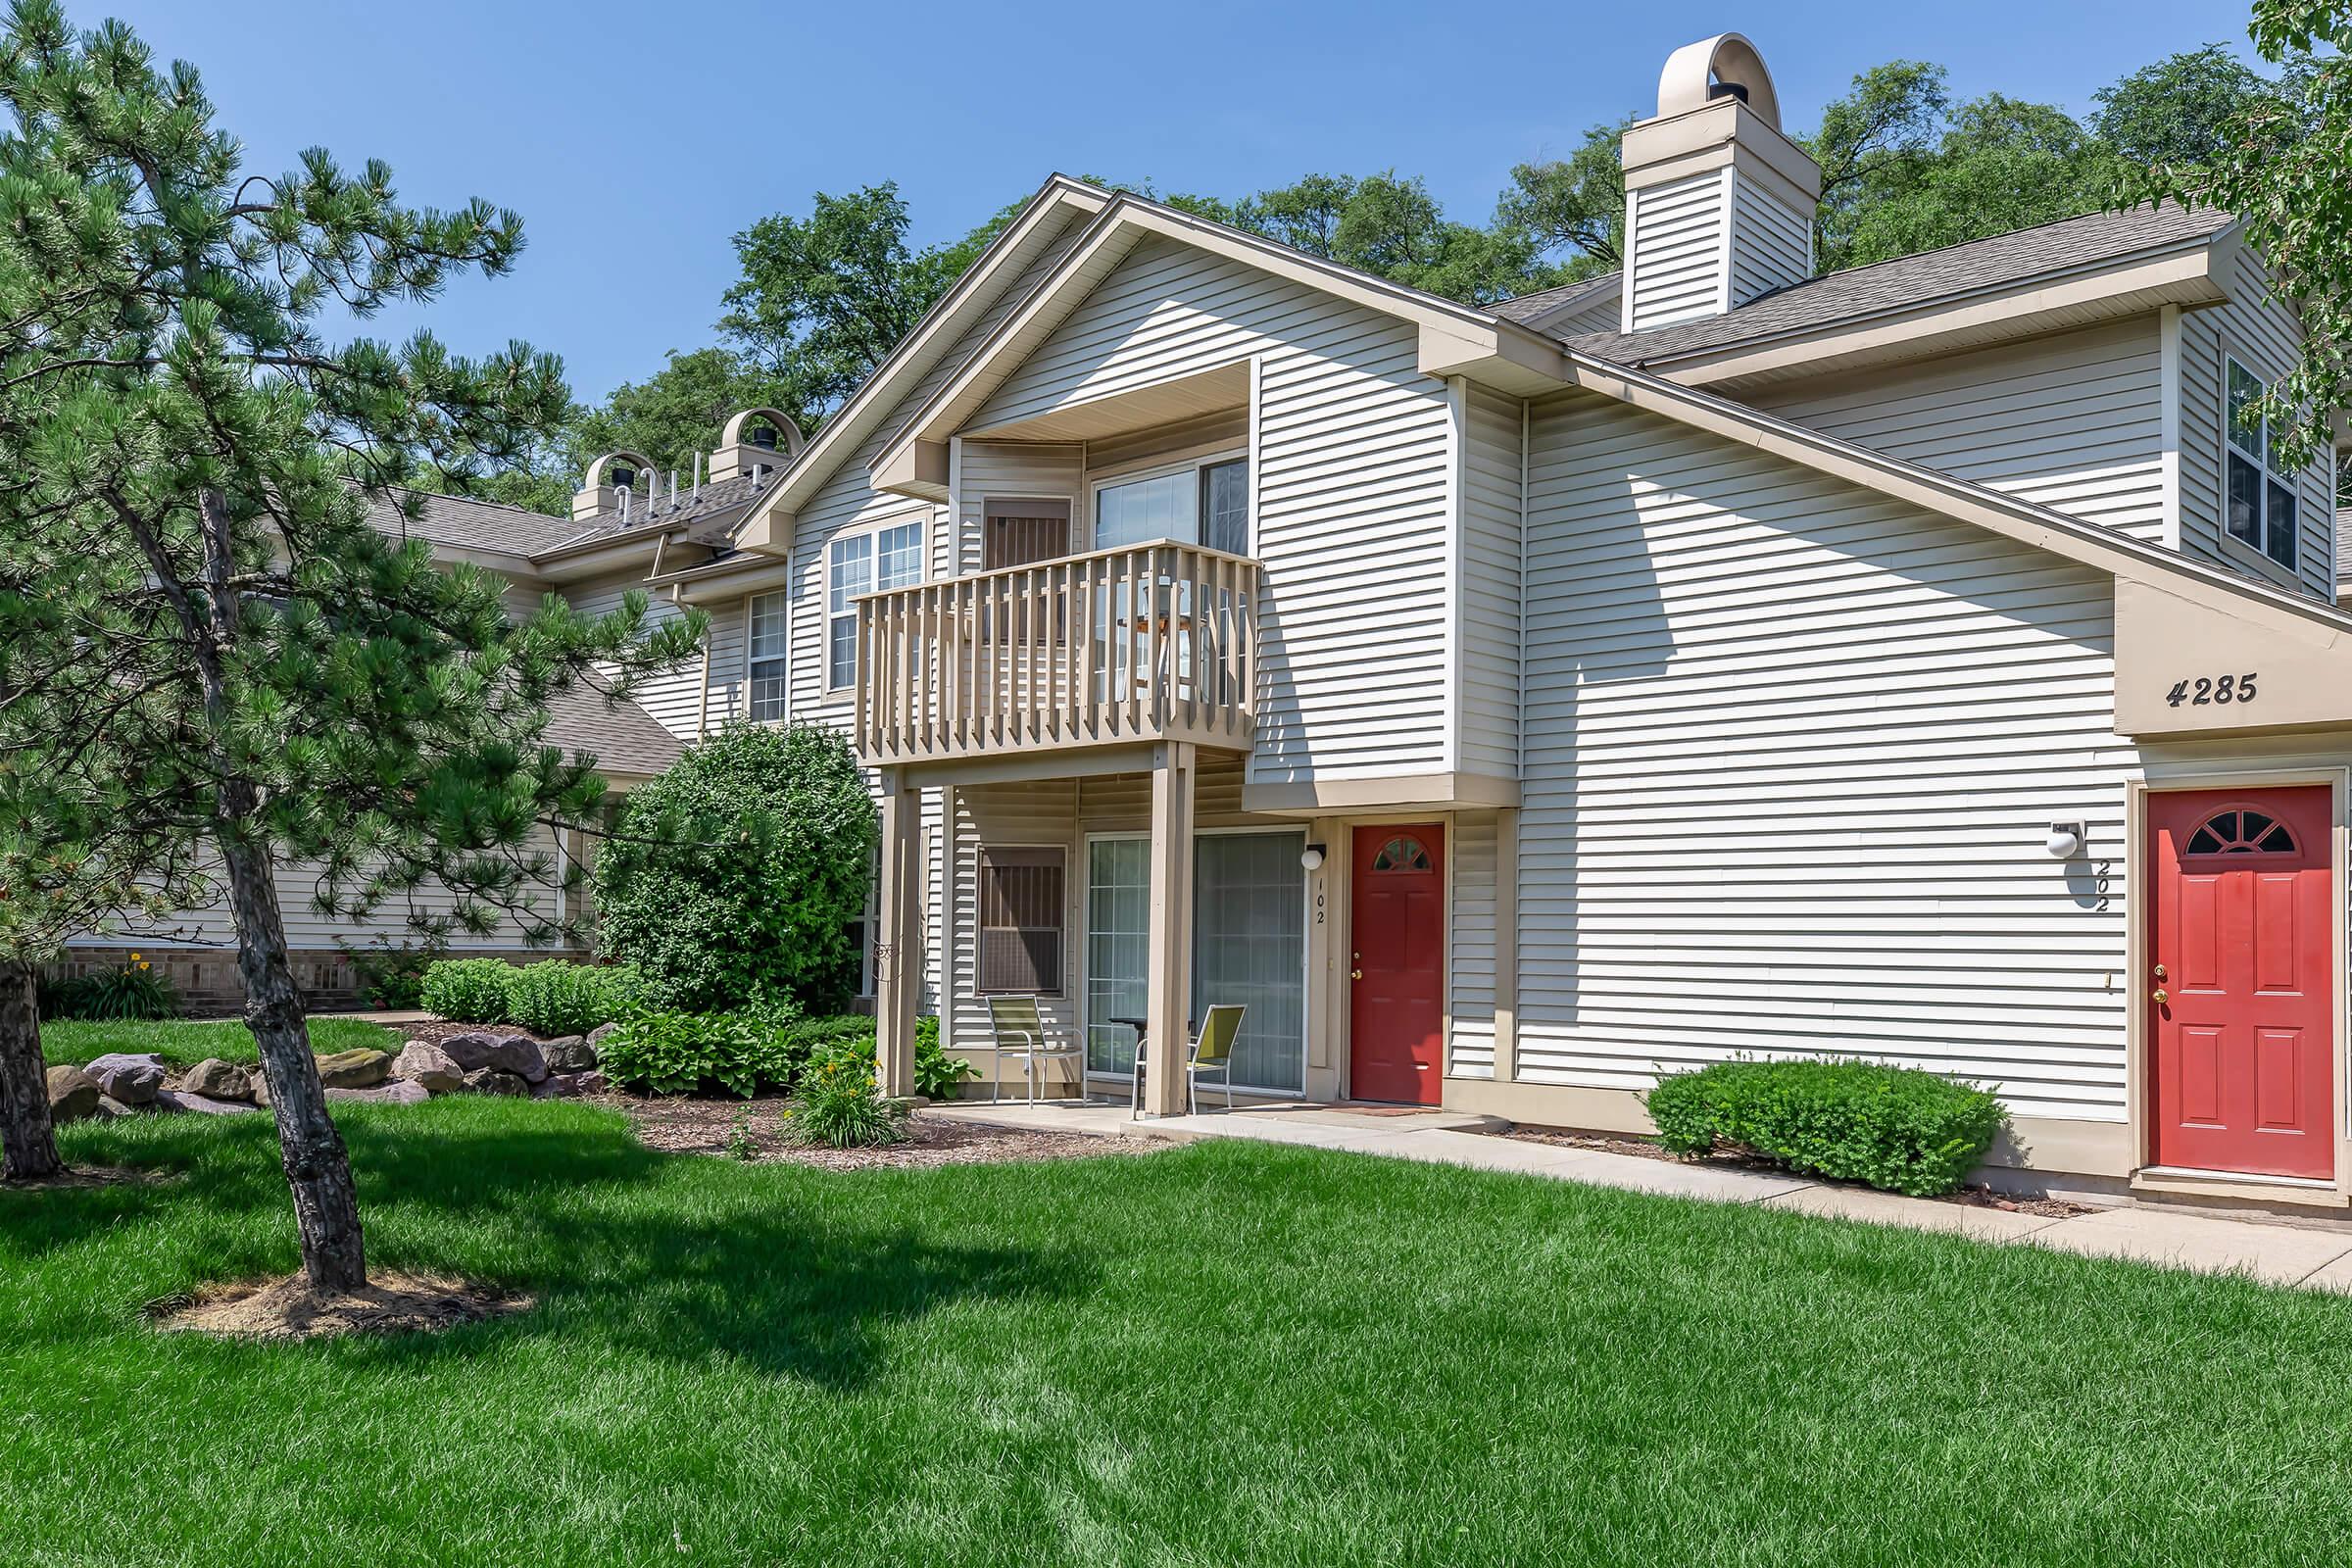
x,y
735,877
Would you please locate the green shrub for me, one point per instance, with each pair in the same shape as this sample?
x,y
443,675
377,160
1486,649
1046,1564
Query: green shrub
x,y
936,1073
391,974
839,1107
1894,1128
126,995
690,1052
468,990
739,875
555,997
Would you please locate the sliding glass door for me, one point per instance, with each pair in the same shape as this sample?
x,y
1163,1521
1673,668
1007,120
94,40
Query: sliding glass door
x,y
1248,947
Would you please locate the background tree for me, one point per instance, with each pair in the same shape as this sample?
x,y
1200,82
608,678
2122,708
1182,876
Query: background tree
x,y
192,587
1572,209
2283,162
2181,110
736,876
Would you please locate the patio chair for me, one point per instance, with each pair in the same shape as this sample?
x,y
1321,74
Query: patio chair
x,y
1212,1052
1018,1032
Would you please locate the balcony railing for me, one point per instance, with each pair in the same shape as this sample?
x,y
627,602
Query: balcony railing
x,y
1147,643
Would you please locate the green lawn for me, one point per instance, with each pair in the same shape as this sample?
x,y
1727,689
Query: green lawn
x,y
184,1043
1225,1353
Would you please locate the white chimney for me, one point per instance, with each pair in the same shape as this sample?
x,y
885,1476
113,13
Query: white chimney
x,y
610,477
743,446
1719,204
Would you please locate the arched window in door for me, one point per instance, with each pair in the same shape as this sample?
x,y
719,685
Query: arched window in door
x,y
2241,832
1404,853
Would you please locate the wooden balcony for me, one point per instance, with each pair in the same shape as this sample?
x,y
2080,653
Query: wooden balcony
x,y
1147,643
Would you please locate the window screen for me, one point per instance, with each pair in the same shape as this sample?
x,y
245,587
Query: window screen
x,y
1021,921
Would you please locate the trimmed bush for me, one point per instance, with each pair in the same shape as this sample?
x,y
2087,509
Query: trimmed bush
x,y
691,1053
468,990
1894,1128
558,997
738,877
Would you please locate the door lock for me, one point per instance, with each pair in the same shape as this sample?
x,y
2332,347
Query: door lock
x,y
2161,998
1356,974
2160,971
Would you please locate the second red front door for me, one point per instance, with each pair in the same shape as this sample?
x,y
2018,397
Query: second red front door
x,y
1397,1021
2242,981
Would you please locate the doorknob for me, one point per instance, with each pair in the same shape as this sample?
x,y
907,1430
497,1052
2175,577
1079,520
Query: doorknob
x,y
1356,974
2161,998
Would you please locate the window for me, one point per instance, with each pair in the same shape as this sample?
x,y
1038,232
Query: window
x,y
2241,833
1402,854
1197,503
849,570
2258,501
767,615
1021,921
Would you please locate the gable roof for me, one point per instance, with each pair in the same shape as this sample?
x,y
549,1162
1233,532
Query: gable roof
x,y
622,737
467,523
1545,304
1833,299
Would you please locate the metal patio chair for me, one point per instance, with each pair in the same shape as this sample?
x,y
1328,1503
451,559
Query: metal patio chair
x,y
1212,1051
1018,1031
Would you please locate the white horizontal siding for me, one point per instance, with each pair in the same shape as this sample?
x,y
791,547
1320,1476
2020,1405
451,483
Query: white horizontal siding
x,y
1053,472
1352,505
1674,252
1471,952
675,700
1035,813
1488,685
1792,751
2073,422
2266,337
1771,246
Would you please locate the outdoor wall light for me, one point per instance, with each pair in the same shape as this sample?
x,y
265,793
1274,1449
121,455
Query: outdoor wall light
x,y
1312,856
2065,840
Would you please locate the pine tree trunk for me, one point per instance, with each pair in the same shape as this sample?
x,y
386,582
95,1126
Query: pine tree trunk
x,y
25,1136
327,1205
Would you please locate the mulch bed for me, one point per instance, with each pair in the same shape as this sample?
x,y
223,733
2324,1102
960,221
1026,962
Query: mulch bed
x,y
292,1309
754,1129
1645,1148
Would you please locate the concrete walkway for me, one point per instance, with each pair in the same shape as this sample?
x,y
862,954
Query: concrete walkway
x,y
2277,1254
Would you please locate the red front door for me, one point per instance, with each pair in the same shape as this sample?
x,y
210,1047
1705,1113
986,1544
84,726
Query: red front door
x,y
2240,977
1397,932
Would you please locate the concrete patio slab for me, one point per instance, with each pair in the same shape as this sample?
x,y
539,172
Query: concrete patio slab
x,y
1479,1152
1914,1213
2281,1254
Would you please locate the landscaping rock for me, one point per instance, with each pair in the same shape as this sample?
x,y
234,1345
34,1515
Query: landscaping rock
x,y
591,1083
399,1093
568,1053
261,1088
216,1079
73,1094
110,1107
420,1061
133,1079
202,1105
354,1069
491,1081
566,1085
516,1053
600,1034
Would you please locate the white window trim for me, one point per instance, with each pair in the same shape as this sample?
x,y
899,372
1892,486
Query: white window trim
x,y
751,661
872,532
2253,558
1159,469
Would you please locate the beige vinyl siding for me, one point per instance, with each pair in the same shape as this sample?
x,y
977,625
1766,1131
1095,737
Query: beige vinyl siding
x,y
1600,317
1054,471
675,700
1470,954
2265,338
1187,438
1772,247
1353,492
1673,270
1005,814
2073,422
1488,682
848,500
1792,751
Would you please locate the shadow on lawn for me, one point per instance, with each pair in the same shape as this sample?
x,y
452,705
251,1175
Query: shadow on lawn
x,y
679,1257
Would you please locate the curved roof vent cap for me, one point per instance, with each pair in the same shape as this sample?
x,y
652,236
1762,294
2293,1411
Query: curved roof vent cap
x,y
1725,66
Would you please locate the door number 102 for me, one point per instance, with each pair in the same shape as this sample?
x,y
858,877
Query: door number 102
x,y
2213,689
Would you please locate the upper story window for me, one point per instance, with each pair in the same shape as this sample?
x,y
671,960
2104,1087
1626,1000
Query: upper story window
x,y
1204,503
2259,500
889,557
764,615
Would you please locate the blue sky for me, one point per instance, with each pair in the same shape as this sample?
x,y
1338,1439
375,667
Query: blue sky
x,y
636,139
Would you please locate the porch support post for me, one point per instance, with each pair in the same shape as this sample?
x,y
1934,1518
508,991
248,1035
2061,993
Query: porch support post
x,y
1169,990
897,939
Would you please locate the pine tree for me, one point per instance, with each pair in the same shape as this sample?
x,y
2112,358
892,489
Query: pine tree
x,y
210,643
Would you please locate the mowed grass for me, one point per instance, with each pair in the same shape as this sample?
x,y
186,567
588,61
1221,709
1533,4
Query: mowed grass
x,y
184,1042
1224,1354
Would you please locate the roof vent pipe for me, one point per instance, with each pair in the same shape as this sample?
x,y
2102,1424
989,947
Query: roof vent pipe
x,y
1726,89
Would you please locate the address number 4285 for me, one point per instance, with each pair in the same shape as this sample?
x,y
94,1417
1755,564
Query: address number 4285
x,y
2213,689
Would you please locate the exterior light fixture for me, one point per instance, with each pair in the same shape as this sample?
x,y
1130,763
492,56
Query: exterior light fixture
x,y
1311,857
2065,840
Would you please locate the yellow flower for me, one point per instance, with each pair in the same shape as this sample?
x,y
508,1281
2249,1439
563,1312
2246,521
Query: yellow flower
x,y
144,964
134,957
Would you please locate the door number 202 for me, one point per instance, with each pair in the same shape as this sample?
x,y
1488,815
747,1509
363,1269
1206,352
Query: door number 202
x,y
2206,689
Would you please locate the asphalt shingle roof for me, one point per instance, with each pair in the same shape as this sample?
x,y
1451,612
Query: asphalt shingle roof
x,y
468,523
1552,301
622,737
1910,280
